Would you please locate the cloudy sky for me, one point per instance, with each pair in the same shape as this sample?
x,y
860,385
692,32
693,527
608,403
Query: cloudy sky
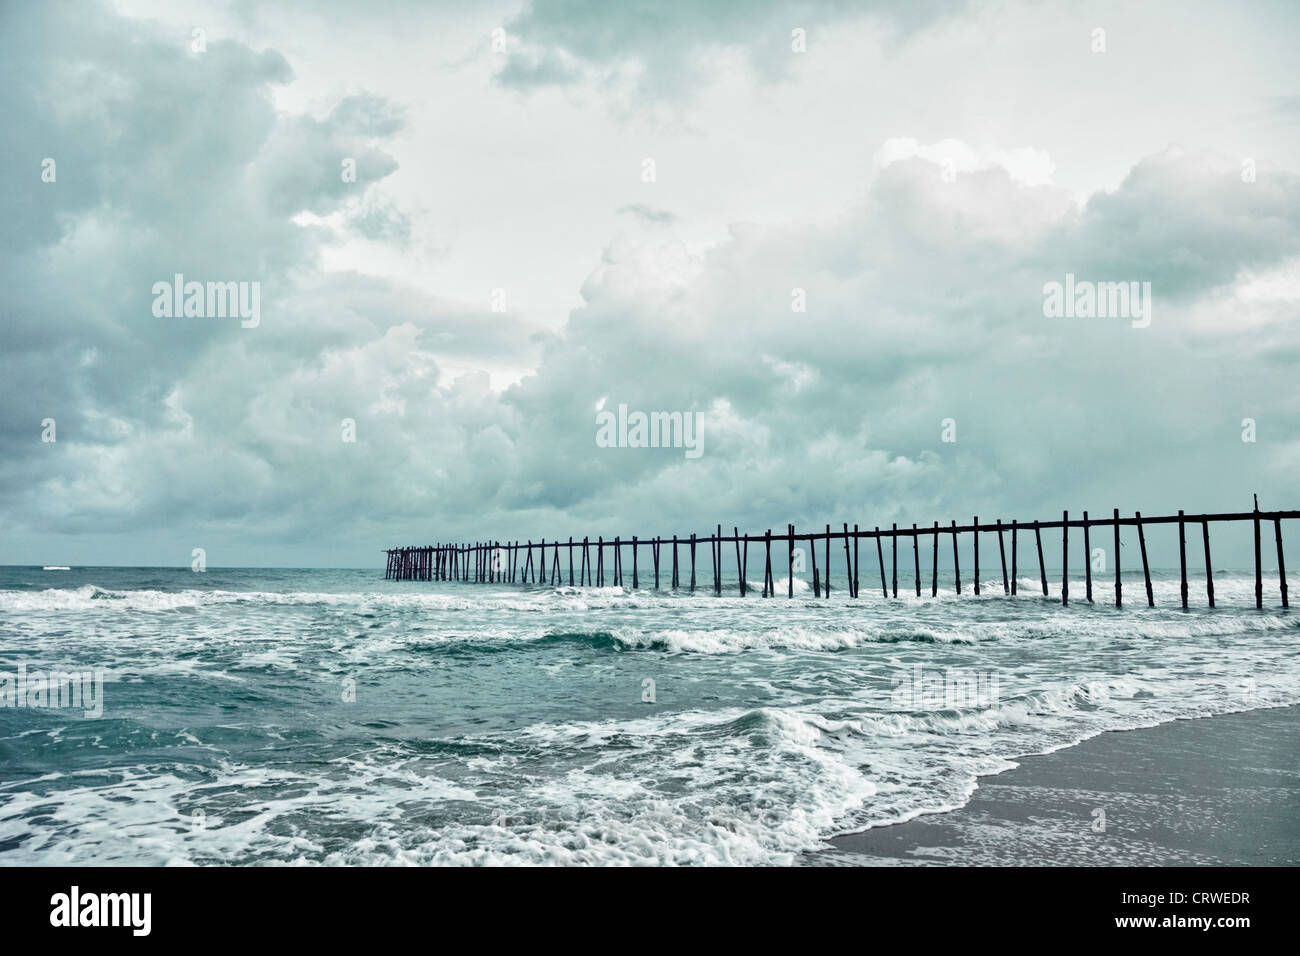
x,y
504,262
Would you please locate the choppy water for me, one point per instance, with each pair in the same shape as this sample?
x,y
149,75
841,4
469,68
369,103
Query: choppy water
x,y
507,724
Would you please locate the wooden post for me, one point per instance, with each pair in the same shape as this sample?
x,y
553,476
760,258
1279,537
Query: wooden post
x,y
812,548
692,563
976,535
1015,569
713,556
1182,559
713,561
717,573
744,565
790,582
1281,562
827,588
848,562
676,577
1209,568
934,570
857,582
827,582
1119,587
654,551
1259,571
767,571
740,562
956,564
1065,558
893,541
880,557
1002,554
1146,569
1087,559
1042,568
636,584
916,559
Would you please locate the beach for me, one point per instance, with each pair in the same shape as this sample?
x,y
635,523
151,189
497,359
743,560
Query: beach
x,y
1221,790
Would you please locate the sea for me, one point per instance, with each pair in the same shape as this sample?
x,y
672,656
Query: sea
x,y
331,717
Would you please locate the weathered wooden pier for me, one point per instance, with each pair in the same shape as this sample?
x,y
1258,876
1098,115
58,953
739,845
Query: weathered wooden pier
x,y
526,562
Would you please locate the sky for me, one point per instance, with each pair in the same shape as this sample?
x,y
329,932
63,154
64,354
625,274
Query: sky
x,y
825,227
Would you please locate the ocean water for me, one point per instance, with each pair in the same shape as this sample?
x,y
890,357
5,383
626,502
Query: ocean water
x,y
333,717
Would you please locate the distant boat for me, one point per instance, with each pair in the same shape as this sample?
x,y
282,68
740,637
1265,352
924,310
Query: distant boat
x,y
55,567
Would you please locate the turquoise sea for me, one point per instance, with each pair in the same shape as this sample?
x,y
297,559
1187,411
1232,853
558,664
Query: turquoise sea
x,y
331,717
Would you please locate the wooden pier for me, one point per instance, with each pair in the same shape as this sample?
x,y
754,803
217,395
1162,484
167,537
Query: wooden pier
x,y
545,562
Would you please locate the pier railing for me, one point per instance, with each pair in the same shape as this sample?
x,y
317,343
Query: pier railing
x,y
526,562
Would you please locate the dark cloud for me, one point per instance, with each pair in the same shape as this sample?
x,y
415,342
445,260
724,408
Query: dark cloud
x,y
923,302
667,47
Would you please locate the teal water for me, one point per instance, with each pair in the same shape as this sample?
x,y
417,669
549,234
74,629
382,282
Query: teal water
x,y
328,717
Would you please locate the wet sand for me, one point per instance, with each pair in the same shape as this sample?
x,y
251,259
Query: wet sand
x,y
1213,791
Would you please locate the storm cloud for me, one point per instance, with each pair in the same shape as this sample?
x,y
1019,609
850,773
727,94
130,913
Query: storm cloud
x,y
826,351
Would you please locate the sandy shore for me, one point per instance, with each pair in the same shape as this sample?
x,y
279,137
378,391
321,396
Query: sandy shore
x,y
1217,791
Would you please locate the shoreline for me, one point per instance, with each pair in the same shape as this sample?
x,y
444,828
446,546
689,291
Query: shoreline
x,y
1216,791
